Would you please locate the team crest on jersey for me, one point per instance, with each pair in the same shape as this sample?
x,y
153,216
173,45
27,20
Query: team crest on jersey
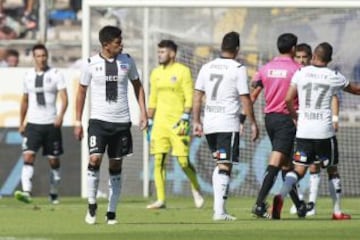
x,y
173,79
300,156
124,67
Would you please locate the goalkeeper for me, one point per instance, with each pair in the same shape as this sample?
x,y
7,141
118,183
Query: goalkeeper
x,y
170,103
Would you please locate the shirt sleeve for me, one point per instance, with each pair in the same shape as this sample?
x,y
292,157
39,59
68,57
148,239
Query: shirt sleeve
x,y
133,73
85,77
295,79
200,82
153,90
187,86
60,80
242,80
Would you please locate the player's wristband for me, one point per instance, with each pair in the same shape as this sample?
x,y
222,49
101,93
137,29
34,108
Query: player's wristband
x,y
185,116
78,123
150,122
335,118
242,118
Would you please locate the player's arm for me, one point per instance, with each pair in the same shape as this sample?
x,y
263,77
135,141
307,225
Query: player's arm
x,y
249,112
256,86
64,104
23,110
79,107
140,96
188,89
197,126
335,108
353,88
289,100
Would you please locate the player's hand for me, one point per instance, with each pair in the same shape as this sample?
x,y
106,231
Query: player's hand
x,y
197,129
58,122
22,130
182,127
254,132
150,124
143,122
241,130
78,131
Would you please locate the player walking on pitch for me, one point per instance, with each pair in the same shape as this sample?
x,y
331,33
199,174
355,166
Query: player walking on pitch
x,y
224,83
108,74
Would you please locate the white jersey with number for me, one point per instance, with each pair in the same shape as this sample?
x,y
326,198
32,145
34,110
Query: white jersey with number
x,y
53,81
96,75
316,86
223,81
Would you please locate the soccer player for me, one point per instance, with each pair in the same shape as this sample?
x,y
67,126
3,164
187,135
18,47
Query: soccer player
x,y
42,85
315,86
303,56
274,78
170,105
107,74
224,83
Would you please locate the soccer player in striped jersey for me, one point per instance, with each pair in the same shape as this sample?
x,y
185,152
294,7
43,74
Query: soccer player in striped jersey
x,y
42,85
315,86
107,74
170,104
274,77
224,83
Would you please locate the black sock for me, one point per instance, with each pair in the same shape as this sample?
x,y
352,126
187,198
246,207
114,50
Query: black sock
x,y
269,180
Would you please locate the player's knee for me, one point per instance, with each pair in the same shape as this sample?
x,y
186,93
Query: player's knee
x,y
29,158
159,160
95,160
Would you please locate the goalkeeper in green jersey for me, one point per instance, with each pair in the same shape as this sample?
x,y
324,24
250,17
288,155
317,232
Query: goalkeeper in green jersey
x,y
170,104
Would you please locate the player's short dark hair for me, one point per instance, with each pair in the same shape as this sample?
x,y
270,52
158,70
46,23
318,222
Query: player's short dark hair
x,y
170,44
324,52
230,42
12,52
286,42
108,34
39,46
304,47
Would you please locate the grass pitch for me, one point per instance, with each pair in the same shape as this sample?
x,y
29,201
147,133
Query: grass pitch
x,y
179,221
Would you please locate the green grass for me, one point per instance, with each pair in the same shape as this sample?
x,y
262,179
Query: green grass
x,y
180,220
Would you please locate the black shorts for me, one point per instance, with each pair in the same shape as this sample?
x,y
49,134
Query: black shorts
x,y
224,146
281,130
115,136
46,136
323,151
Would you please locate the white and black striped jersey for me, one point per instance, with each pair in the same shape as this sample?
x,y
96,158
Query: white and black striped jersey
x,y
108,81
316,87
42,89
223,81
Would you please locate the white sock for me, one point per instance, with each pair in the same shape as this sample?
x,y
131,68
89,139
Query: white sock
x,y
26,177
114,192
335,192
314,186
92,184
291,178
221,189
54,180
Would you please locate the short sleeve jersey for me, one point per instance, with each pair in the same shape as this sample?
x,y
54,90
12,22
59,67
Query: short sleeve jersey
x,y
275,77
108,81
223,81
171,91
52,82
316,87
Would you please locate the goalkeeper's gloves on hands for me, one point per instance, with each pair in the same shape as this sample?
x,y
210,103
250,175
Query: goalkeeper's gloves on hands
x,y
149,129
182,127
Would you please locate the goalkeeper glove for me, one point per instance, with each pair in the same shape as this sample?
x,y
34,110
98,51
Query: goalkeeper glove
x,y
149,129
182,127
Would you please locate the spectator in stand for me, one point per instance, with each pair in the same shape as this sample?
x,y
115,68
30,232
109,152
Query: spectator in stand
x,y
12,58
